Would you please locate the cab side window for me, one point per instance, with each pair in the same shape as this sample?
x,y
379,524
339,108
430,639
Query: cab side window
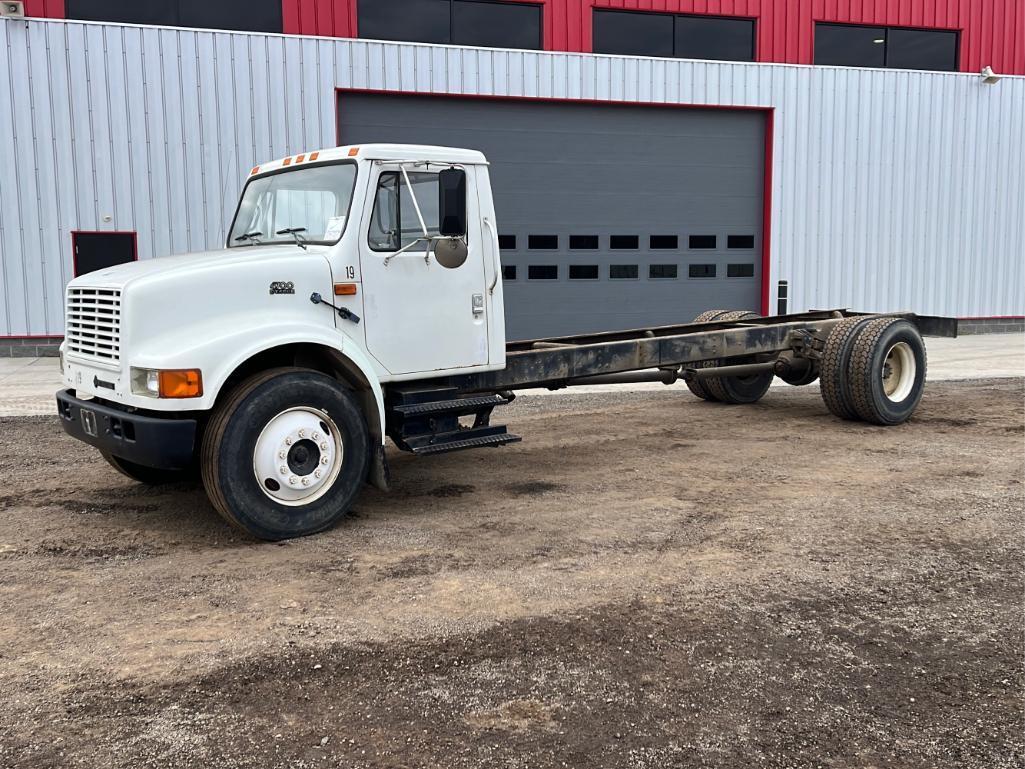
x,y
394,223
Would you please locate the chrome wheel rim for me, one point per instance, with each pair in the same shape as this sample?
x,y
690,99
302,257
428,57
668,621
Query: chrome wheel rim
x,y
899,371
298,456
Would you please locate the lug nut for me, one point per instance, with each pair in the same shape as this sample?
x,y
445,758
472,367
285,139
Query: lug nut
x,y
281,455
323,445
306,481
284,470
317,473
323,460
315,436
288,441
292,480
302,433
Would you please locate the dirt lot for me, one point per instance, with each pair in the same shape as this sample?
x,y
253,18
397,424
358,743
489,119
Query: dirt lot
x,y
645,581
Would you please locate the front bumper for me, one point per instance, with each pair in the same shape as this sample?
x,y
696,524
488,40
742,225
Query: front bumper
x,y
166,443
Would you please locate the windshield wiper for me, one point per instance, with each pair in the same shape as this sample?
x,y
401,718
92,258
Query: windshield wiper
x,y
253,236
294,232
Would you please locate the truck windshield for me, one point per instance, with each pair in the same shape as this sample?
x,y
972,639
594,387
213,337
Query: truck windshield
x,y
313,201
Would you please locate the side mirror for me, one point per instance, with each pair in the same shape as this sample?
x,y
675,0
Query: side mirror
x,y
452,202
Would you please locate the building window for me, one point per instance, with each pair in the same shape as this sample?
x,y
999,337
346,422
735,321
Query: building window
x,y
628,242
92,251
244,15
701,241
740,271
851,45
740,241
460,22
506,242
701,271
664,34
508,272
663,241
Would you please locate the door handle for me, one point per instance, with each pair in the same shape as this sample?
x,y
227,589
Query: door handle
x,y
477,303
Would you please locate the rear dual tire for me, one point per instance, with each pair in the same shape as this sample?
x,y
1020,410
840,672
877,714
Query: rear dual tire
x,y
873,369
729,389
285,454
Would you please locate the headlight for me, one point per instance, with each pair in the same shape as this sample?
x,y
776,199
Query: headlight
x,y
167,383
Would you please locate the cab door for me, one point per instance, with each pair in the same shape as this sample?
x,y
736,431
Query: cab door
x,y
420,317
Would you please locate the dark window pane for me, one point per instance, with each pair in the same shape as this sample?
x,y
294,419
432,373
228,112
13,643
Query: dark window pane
x,y
509,272
623,271
921,49
160,12
701,271
624,241
543,241
663,241
588,242
507,242
740,241
848,45
740,271
543,272
246,15
100,250
708,37
423,21
701,241
583,272
633,34
496,25
662,271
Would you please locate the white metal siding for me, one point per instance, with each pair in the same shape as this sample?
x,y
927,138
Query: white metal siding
x,y
890,189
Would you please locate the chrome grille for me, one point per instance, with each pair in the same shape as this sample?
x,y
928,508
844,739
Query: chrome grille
x,y
94,323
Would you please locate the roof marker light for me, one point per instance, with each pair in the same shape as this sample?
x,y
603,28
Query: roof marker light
x,y
300,158
286,162
314,156
255,170
353,152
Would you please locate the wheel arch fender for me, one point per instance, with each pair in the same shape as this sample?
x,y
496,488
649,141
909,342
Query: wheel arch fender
x,y
321,350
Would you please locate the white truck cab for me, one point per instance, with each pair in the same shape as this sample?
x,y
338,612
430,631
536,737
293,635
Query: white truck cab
x,y
359,297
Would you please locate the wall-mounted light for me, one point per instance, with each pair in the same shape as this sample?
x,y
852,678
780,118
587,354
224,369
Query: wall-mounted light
x,y
989,77
13,8
879,40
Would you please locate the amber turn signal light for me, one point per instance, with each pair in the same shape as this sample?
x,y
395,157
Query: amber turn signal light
x,y
181,383
345,289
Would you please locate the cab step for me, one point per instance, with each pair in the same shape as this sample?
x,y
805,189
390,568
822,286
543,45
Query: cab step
x,y
426,420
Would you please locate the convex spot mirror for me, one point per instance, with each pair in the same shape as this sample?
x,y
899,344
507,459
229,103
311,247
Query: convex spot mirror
x,y
450,250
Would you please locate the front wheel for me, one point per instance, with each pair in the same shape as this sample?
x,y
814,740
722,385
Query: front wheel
x,y
151,476
285,454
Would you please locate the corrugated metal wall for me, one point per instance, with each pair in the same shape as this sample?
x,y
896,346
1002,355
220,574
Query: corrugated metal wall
x,y
890,189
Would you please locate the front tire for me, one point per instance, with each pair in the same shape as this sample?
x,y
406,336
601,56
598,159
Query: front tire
x,y
285,454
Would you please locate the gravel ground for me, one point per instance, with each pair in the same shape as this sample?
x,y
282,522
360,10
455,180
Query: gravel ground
x,y
646,581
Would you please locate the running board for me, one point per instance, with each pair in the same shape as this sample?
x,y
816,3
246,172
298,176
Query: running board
x,y
470,438
425,420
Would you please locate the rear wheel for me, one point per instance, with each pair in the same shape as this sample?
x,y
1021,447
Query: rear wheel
x,y
285,454
151,476
887,371
836,355
697,386
738,389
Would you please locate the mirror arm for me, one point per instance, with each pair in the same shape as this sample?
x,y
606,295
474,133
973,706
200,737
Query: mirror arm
x,y
420,216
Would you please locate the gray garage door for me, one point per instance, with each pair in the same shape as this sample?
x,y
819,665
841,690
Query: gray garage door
x,y
610,216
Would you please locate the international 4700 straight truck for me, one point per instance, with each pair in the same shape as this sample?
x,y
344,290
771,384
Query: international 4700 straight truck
x,y
359,298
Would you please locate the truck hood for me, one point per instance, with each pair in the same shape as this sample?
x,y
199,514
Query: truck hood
x,y
124,275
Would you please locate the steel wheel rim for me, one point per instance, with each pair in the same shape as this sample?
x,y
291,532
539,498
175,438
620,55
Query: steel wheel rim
x,y
298,455
899,371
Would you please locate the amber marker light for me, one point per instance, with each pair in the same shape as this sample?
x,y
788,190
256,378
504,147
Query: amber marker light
x,y
345,289
353,152
181,383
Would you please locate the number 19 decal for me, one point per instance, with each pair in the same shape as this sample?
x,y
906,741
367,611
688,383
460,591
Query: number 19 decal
x,y
350,272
